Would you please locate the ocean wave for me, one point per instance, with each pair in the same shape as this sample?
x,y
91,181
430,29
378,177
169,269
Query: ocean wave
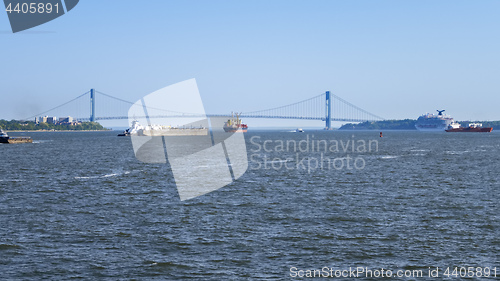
x,y
41,141
278,161
456,152
9,246
11,180
388,157
106,175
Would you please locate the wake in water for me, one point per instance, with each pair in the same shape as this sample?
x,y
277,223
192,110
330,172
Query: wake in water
x,y
107,175
13,180
41,141
388,157
457,152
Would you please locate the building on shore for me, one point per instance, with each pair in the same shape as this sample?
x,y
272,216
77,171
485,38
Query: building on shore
x,y
53,120
68,119
41,119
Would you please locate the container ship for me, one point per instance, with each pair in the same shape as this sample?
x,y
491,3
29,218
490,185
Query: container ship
x,y
234,125
4,138
473,127
432,122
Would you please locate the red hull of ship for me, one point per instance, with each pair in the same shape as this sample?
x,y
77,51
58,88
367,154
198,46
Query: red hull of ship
x,y
242,128
470,129
237,131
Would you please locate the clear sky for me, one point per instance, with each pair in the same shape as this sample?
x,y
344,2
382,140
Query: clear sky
x,y
397,59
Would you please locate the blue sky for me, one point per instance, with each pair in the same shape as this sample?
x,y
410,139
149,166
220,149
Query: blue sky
x,y
397,59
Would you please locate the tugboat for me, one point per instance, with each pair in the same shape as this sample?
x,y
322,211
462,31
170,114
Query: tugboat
x,y
473,127
4,138
132,130
234,125
125,133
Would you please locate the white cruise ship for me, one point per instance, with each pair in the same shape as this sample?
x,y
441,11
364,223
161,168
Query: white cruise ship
x,y
432,122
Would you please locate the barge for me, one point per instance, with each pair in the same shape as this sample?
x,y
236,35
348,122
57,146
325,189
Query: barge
x,y
4,138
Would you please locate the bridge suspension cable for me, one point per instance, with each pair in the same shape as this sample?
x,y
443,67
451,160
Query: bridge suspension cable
x,y
57,107
147,107
314,109
343,108
311,108
325,107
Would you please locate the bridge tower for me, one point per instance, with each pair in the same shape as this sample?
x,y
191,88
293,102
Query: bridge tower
x,y
92,105
328,111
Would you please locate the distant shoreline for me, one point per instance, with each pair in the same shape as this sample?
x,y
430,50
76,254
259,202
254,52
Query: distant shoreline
x,y
30,126
405,124
55,131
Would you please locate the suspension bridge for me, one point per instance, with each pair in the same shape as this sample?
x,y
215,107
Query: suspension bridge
x,y
327,107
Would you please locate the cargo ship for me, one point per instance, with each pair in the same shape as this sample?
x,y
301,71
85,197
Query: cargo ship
x,y
432,122
234,125
473,127
159,130
4,138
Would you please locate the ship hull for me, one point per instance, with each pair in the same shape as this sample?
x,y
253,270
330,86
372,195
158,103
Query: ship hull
x,y
235,130
470,130
173,132
16,140
430,129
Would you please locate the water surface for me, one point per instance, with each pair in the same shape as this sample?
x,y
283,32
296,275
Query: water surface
x,y
79,205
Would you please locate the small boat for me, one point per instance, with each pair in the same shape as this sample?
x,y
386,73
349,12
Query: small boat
x,y
4,138
299,130
134,129
125,133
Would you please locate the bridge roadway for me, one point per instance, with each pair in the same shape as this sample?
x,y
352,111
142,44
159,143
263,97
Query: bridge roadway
x,y
228,116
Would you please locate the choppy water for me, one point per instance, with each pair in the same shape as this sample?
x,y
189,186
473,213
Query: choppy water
x,y
79,205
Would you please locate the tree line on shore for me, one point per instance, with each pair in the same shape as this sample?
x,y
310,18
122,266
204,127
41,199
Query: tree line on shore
x,y
16,125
